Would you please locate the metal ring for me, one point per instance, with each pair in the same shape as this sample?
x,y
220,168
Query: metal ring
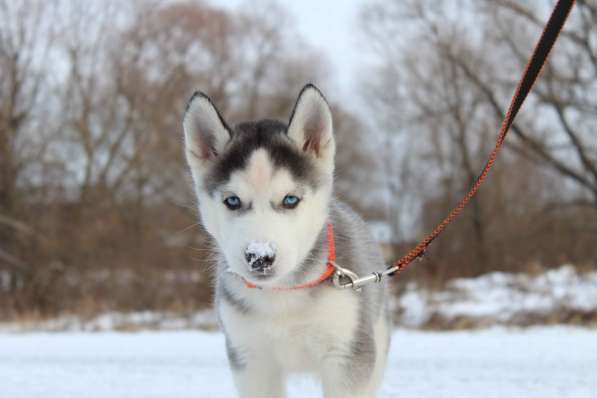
x,y
343,273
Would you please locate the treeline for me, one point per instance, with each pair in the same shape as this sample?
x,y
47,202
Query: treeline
x,y
95,206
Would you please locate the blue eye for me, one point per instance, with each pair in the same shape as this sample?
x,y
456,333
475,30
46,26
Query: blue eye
x,y
290,201
233,202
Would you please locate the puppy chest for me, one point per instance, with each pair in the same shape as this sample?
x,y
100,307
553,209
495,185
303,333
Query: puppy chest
x,y
297,334
299,347
298,341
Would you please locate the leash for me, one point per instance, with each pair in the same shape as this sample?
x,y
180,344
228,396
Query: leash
x,y
344,278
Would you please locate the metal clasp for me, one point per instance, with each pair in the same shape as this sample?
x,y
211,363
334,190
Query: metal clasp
x,y
345,278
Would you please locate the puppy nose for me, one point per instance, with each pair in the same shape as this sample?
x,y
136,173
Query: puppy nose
x,y
260,256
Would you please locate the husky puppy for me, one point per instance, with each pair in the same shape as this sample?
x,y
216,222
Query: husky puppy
x,y
264,190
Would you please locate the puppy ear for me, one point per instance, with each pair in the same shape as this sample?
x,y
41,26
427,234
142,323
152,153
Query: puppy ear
x,y
205,131
310,125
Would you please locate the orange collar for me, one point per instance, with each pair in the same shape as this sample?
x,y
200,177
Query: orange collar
x,y
329,269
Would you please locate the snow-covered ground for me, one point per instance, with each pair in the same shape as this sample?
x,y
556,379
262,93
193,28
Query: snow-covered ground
x,y
498,298
558,296
495,362
121,321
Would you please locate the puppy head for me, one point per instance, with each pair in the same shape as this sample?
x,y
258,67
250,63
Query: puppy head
x,y
263,187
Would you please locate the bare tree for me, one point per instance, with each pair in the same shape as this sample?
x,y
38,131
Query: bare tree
x,y
25,35
92,186
442,77
565,94
26,129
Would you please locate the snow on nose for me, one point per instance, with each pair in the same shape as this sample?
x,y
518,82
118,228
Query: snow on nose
x,y
260,256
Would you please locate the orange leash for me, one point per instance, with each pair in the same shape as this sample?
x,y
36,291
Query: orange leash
x,y
533,68
344,278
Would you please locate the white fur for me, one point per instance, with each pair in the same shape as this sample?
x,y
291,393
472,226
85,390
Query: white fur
x,y
286,337
290,331
284,334
261,185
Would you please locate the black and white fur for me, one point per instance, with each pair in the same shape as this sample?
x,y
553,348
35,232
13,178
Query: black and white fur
x,y
341,336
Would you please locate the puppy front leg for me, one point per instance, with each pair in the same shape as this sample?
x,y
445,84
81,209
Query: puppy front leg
x,y
256,376
346,376
336,385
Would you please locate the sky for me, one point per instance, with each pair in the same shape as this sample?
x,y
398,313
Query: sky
x,y
328,26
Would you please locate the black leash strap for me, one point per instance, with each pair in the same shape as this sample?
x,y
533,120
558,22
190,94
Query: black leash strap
x,y
539,57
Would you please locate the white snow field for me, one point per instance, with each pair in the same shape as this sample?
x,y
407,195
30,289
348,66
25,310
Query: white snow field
x,y
500,298
496,362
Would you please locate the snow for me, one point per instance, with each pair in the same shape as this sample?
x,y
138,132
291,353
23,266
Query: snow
x,y
495,362
261,249
502,298
109,321
492,299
